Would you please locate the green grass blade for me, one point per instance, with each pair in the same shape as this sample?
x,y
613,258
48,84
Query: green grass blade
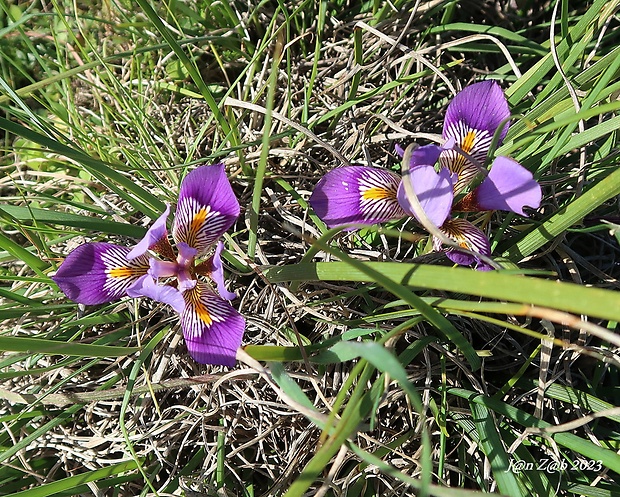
x,y
147,203
93,224
608,458
41,346
72,483
191,68
493,447
493,284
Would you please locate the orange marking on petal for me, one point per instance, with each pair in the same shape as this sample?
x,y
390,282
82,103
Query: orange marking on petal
x,y
198,306
196,225
124,272
377,193
203,313
468,142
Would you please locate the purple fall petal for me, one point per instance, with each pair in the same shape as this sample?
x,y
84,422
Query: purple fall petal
x,y
356,195
434,192
155,233
95,273
217,273
147,287
212,328
508,187
207,208
471,120
467,236
481,106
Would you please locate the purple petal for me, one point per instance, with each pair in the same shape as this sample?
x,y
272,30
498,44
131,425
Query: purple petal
x,y
471,120
147,287
434,192
163,269
481,106
187,254
95,273
467,236
155,233
213,329
426,155
356,195
207,208
508,187
217,273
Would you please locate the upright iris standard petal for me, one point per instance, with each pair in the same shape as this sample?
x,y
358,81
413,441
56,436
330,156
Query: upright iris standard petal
x,y
212,328
95,273
508,187
207,208
472,118
357,195
468,237
217,273
154,235
146,286
434,191
426,155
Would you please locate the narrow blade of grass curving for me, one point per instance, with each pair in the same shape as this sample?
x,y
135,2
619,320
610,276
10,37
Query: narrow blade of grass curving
x,y
535,74
358,407
133,374
93,224
192,70
374,273
22,254
434,490
51,347
567,297
608,458
72,483
493,447
571,396
264,153
149,203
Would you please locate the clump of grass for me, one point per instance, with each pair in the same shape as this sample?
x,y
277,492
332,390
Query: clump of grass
x,y
370,367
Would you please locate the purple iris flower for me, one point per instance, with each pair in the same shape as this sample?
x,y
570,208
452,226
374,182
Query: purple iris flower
x,y
369,195
95,273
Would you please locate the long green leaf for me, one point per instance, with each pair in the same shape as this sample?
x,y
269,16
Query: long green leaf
x,y
42,346
94,224
493,284
72,482
493,447
148,203
608,458
190,67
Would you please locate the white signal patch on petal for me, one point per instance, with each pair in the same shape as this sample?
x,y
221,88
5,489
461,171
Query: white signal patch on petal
x,y
197,225
474,142
378,195
120,271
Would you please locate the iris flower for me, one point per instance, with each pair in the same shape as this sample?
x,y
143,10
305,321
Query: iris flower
x,y
96,273
435,175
